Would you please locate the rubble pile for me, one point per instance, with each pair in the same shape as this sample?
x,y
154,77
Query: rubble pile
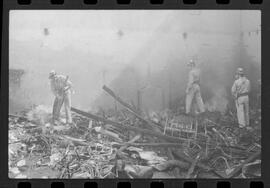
x,y
128,143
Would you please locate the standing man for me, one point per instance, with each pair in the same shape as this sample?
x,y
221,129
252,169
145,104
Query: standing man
x,y
61,88
240,91
193,91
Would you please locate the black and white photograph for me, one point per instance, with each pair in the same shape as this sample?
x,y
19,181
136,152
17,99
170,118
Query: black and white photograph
x,y
134,94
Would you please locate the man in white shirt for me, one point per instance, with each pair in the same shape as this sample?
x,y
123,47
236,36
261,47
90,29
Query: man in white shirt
x,y
193,92
61,88
240,91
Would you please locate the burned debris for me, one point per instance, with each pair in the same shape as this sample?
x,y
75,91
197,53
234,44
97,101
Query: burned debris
x,y
127,143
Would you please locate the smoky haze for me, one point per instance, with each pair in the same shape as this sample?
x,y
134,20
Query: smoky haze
x,y
131,51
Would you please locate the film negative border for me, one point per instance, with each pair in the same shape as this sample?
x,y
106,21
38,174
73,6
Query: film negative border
x,y
264,6
137,4
136,183
120,2
144,183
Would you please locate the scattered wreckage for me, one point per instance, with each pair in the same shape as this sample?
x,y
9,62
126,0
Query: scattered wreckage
x,y
130,144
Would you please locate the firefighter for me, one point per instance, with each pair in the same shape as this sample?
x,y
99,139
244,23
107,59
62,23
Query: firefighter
x,y
61,89
240,92
193,93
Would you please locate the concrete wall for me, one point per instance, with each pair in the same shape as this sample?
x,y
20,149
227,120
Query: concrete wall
x,y
143,49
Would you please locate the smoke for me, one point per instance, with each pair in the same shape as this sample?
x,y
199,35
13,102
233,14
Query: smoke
x,y
218,102
134,52
40,114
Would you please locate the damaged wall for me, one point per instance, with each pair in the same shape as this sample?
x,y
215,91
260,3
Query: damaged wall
x,y
128,54
219,46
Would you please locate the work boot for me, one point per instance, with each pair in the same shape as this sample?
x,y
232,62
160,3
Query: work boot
x,y
55,120
201,117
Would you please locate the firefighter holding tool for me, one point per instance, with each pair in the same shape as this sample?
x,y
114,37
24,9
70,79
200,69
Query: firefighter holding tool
x,y
61,89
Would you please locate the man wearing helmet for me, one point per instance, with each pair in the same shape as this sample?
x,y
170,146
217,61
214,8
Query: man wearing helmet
x,y
240,91
61,88
193,91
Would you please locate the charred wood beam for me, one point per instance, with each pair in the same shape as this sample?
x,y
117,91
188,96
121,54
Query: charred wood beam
x,y
171,164
126,145
131,128
118,99
130,108
75,141
142,131
111,134
163,144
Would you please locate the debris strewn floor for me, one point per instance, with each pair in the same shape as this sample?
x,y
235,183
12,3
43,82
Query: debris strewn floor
x,y
131,144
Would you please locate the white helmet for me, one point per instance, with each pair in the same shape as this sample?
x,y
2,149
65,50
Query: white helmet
x,y
52,73
240,71
191,62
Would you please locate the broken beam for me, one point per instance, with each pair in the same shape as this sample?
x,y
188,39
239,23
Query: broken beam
x,y
136,129
170,145
130,108
132,128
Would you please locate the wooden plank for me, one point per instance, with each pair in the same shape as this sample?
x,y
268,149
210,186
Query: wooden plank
x,y
123,147
131,128
131,109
